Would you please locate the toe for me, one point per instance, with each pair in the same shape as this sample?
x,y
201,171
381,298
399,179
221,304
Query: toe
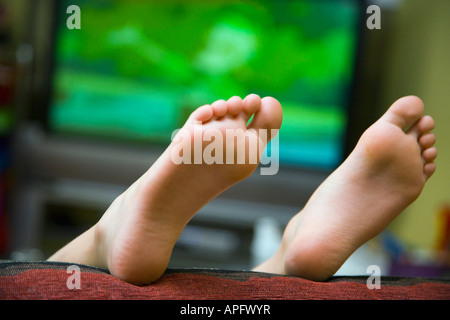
x,y
219,108
202,114
422,126
252,102
405,112
268,116
427,140
429,169
429,155
425,124
234,105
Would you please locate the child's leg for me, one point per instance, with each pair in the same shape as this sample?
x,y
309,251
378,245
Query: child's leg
x,y
383,175
135,237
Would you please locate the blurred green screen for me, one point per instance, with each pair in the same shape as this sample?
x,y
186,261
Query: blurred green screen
x,y
136,69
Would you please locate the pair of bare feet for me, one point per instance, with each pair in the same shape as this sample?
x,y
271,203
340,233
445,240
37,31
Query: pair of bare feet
x,y
385,173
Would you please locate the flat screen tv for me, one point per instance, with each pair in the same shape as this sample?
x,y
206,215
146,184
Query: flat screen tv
x,y
136,69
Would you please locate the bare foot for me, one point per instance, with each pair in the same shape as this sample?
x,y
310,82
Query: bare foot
x,y
135,237
384,174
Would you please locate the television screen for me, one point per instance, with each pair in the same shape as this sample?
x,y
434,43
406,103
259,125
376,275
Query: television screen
x,y
136,69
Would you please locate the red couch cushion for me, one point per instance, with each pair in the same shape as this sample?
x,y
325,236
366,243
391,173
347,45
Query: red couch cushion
x,y
48,280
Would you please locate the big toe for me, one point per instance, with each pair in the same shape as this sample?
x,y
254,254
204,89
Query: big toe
x,y
269,115
405,112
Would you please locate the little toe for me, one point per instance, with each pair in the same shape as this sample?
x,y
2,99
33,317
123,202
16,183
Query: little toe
x,y
202,114
429,169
